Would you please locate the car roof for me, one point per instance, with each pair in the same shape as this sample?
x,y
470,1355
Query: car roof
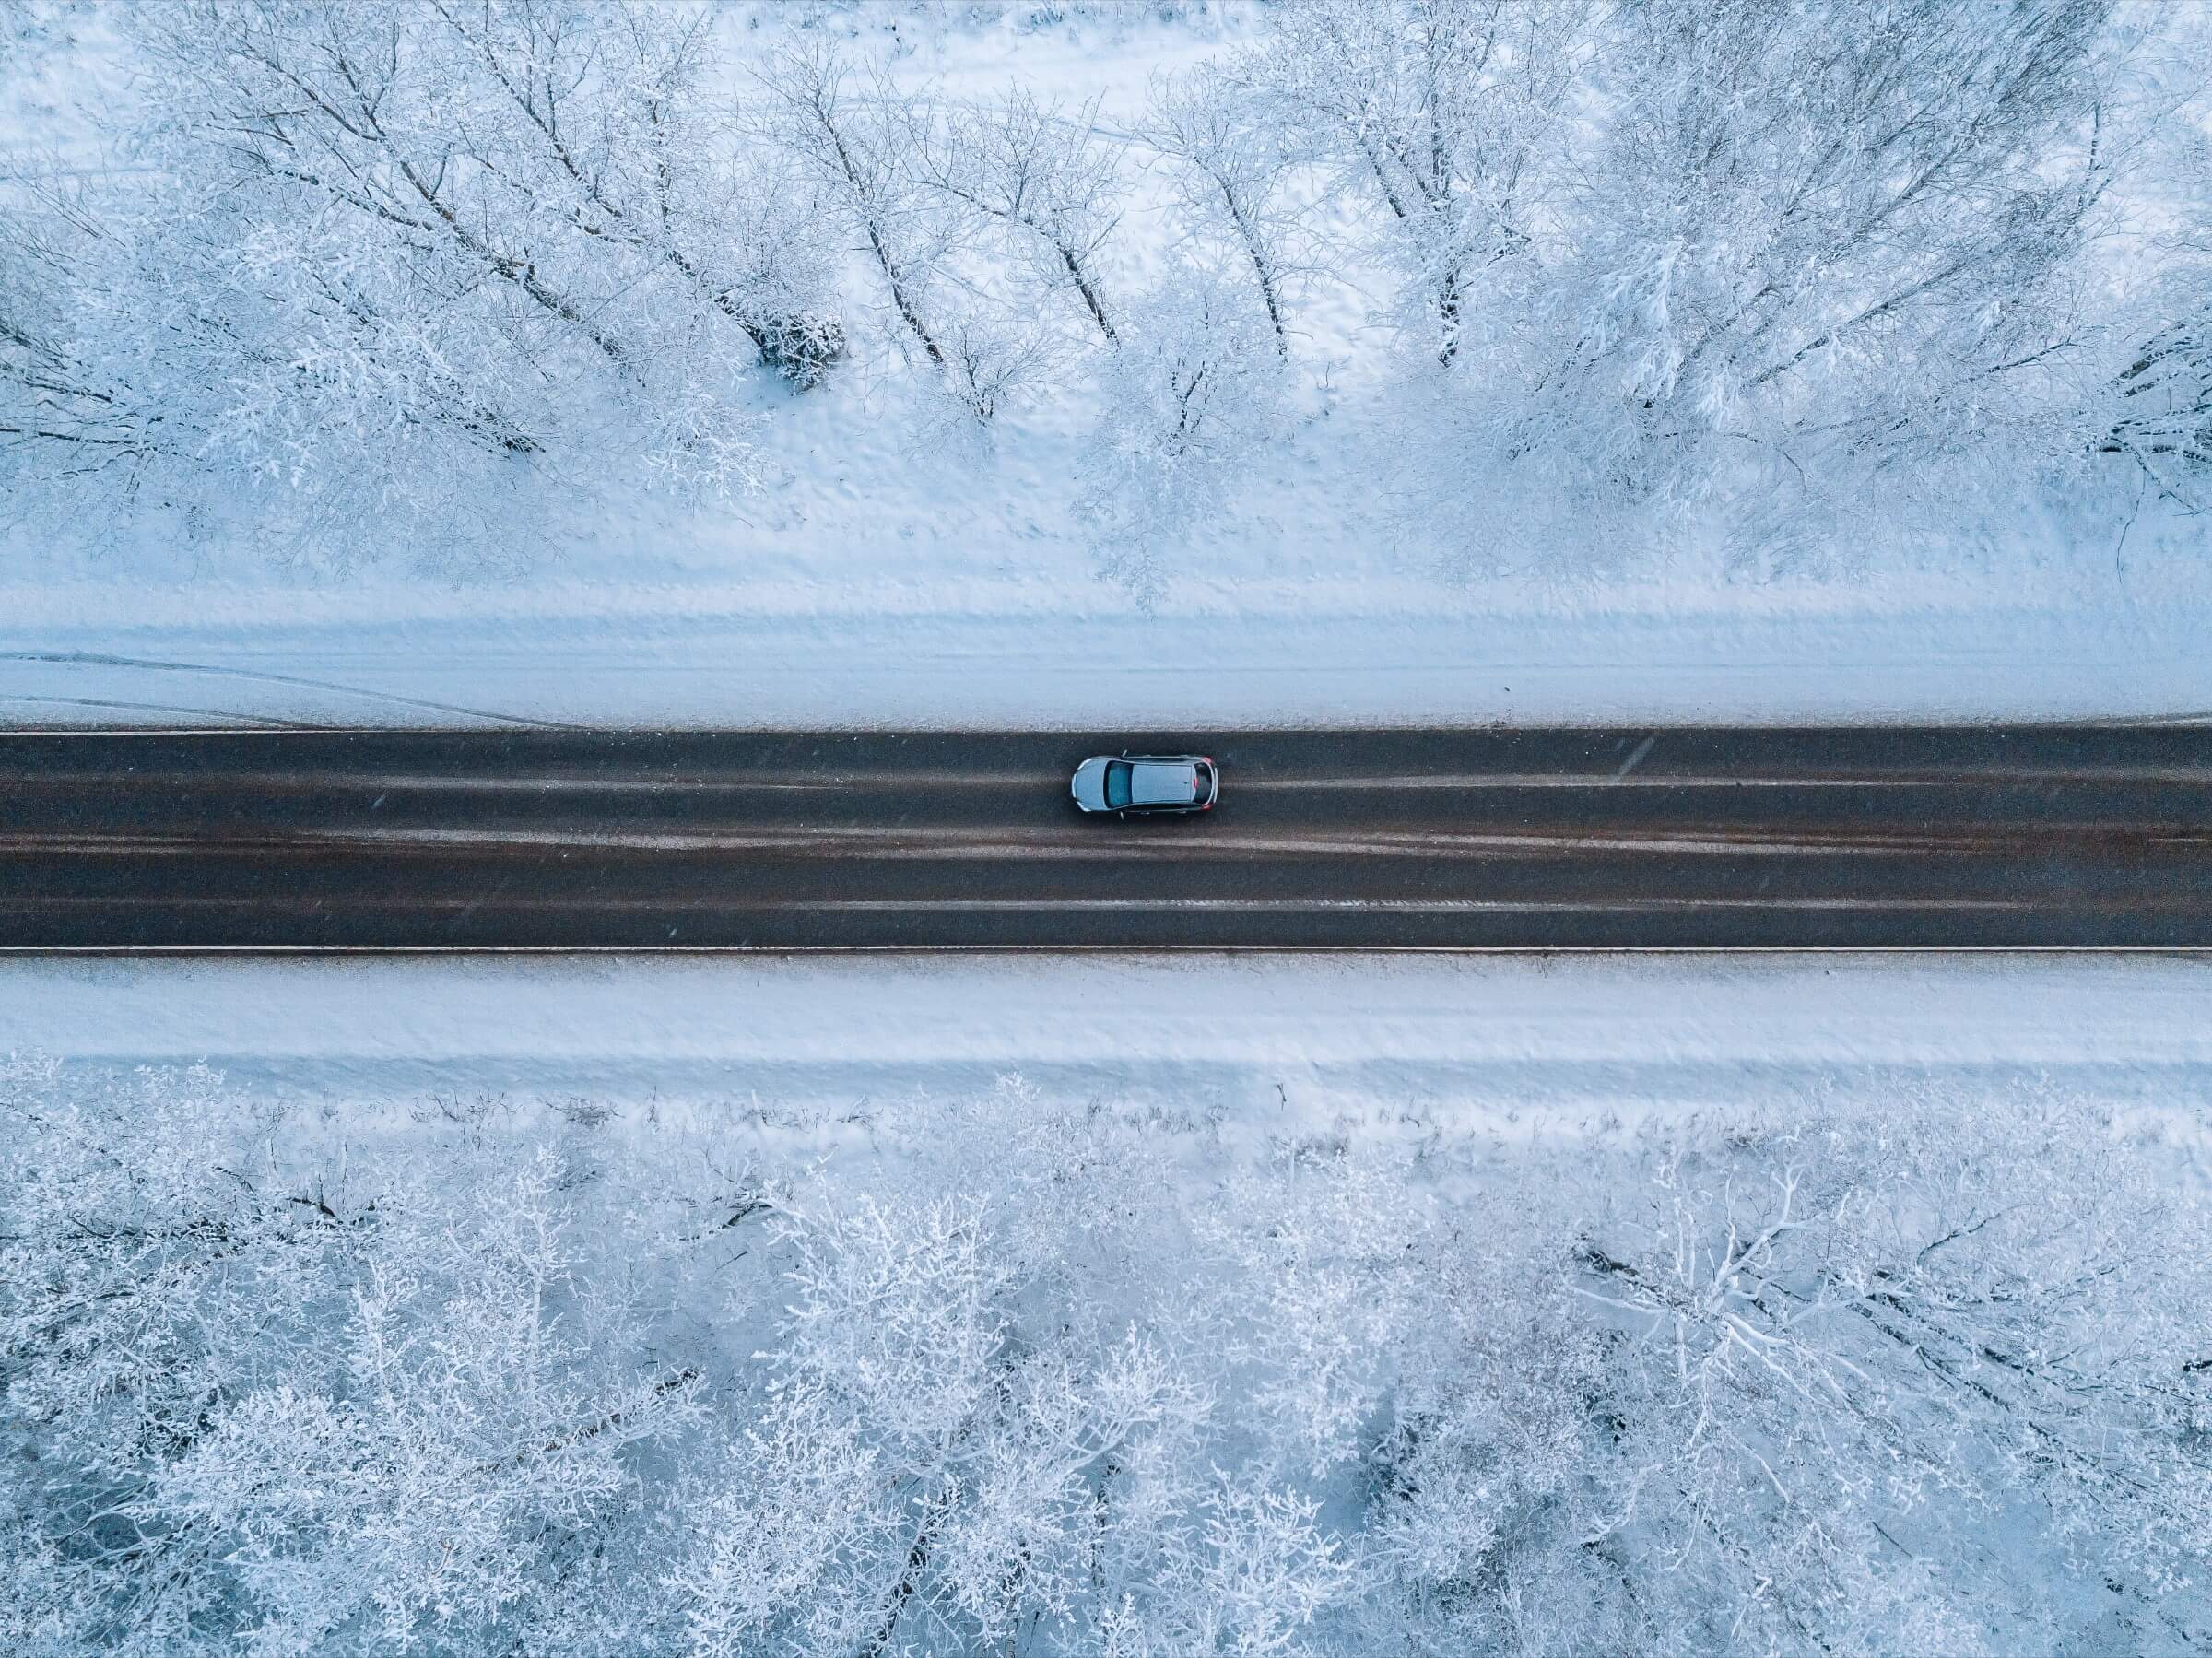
x,y
1161,783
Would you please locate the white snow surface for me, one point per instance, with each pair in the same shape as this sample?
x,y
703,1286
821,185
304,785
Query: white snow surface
x,y
335,658
958,593
1280,1043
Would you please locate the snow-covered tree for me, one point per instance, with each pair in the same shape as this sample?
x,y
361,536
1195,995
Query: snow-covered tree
x,y
145,1277
458,1479
1043,176
854,134
1449,113
1813,1362
1025,1378
1231,167
285,1405
931,1471
71,414
1845,231
392,264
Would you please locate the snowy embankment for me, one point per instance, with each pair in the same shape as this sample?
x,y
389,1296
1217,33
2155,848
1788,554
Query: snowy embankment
x,y
958,593
1280,1043
335,660
882,581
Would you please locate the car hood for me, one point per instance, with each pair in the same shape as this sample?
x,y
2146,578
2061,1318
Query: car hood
x,y
1089,786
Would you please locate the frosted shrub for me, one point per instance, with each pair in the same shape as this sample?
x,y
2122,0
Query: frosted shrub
x,y
1196,388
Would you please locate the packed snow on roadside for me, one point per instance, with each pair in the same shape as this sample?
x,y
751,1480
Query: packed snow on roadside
x,y
1336,540
1293,1039
1276,1306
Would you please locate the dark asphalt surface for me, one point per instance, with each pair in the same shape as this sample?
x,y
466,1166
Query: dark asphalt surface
x,y
2074,835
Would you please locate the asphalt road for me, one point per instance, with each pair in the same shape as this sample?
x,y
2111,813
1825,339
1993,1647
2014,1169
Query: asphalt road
x,y
2074,835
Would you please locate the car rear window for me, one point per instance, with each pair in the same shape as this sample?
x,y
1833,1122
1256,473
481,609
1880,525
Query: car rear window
x,y
1117,784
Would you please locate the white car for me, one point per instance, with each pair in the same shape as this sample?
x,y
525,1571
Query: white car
x,y
1128,783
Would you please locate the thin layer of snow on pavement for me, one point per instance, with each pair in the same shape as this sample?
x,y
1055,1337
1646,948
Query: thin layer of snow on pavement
x,y
1253,1037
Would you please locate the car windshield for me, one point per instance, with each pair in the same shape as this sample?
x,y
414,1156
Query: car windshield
x,y
1117,784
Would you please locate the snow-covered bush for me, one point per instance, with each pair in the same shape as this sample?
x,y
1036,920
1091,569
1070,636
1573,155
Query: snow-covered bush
x,y
1195,386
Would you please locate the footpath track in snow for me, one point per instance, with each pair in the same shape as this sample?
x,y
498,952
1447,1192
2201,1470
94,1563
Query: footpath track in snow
x,y
1533,839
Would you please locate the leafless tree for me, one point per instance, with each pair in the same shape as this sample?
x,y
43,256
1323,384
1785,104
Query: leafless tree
x,y
1844,227
1450,112
851,132
1043,174
1233,167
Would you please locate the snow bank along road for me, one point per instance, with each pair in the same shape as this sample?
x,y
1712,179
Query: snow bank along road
x,y
2056,835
